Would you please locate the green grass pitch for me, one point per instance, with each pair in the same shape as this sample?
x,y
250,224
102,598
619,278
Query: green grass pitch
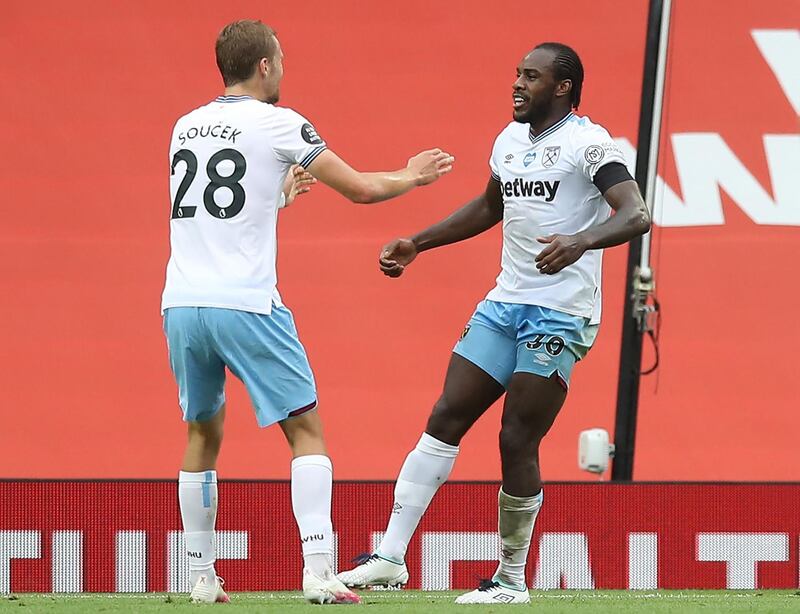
x,y
412,602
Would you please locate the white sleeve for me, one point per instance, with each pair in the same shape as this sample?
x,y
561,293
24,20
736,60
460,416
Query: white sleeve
x,y
595,148
494,164
294,140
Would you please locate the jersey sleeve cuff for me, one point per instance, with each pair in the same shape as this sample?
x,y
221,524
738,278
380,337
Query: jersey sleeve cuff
x,y
495,176
312,155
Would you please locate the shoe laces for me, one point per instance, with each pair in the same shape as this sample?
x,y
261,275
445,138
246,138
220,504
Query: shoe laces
x,y
487,585
365,558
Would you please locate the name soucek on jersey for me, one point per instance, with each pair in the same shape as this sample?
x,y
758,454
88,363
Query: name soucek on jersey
x,y
228,162
546,183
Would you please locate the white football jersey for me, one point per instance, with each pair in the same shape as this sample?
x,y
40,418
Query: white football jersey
x,y
546,181
228,162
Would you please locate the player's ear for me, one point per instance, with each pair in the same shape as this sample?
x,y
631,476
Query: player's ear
x,y
564,87
264,66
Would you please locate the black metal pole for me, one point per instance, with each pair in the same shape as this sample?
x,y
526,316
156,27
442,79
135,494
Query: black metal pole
x,y
630,361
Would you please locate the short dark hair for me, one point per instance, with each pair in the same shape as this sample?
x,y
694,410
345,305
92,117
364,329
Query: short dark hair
x,y
567,65
240,47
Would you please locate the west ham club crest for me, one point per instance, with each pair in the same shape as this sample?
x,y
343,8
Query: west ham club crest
x,y
550,156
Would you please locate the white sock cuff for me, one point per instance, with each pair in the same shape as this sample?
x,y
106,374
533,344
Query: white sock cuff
x,y
200,534
520,504
430,445
319,460
197,477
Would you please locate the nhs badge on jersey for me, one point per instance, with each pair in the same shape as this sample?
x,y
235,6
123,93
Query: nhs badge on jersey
x,y
550,156
529,158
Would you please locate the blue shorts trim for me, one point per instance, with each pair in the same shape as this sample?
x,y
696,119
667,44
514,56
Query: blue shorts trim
x,y
507,338
263,351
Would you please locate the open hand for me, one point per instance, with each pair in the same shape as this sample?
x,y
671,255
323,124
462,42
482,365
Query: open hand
x,y
395,256
427,166
561,251
298,181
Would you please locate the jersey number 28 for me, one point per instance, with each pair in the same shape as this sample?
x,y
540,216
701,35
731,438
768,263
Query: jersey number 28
x,y
215,182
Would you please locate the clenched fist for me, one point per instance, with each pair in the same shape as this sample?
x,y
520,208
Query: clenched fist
x,y
395,256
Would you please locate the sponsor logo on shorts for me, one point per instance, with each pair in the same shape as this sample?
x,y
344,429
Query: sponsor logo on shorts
x,y
466,330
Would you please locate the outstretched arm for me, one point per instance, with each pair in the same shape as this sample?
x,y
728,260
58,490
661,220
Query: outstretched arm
x,y
630,220
475,217
422,169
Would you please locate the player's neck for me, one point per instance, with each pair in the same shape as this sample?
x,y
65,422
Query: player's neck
x,y
552,118
243,89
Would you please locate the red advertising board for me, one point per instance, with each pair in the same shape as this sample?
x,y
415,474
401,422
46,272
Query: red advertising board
x,y
84,236
125,536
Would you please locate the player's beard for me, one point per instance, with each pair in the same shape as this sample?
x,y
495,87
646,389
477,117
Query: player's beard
x,y
537,110
274,98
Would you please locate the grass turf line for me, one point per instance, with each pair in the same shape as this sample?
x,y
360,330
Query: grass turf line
x,y
413,602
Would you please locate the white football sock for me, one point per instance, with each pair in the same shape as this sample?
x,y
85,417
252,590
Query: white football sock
x,y
197,494
312,482
515,519
426,468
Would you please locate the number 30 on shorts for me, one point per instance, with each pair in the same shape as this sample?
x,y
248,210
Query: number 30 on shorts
x,y
553,344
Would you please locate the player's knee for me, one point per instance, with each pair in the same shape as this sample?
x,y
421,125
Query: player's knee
x,y
445,423
517,442
438,427
206,434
